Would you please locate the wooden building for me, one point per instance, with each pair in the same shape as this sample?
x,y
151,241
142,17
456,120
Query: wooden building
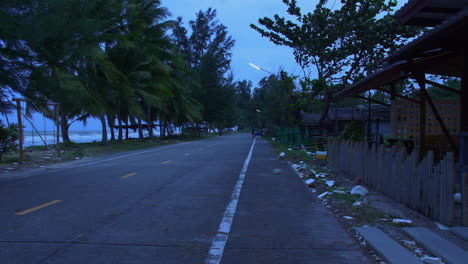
x,y
440,51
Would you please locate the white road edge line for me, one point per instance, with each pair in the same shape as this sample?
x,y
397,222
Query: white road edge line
x,y
104,160
215,254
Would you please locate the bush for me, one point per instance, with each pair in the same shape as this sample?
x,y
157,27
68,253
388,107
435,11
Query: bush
x,y
353,131
8,137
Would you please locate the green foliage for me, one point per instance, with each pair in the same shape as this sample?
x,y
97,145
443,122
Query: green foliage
x,y
8,137
336,47
207,49
276,102
353,131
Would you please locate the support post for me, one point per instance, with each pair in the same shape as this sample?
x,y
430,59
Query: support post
x,y
57,123
440,121
420,78
369,119
463,161
20,127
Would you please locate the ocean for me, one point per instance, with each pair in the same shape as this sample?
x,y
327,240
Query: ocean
x,y
33,139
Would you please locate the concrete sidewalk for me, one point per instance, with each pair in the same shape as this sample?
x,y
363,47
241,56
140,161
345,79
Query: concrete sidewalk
x,y
278,220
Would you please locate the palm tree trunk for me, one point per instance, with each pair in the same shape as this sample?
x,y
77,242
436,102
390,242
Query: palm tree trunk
x,y
119,139
64,127
104,129
126,128
161,128
150,123
111,122
140,129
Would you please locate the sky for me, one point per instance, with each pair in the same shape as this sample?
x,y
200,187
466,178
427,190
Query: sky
x,y
250,47
237,15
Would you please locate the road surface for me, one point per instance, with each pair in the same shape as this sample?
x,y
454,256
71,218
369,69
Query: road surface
x,y
209,201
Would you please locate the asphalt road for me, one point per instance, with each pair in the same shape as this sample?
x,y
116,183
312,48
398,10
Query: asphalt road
x,y
170,205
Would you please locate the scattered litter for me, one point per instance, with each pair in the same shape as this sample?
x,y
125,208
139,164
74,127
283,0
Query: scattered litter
x,y
321,155
441,226
289,148
322,195
330,183
274,139
409,244
309,181
359,190
357,204
301,162
339,191
418,251
457,197
313,190
402,221
310,153
431,260
281,154
347,217
77,158
324,201
276,171
321,175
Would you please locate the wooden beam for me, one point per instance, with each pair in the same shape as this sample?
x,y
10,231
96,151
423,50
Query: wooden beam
x,y
438,85
372,100
439,119
397,95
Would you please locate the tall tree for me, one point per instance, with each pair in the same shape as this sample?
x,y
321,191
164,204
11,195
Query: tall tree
x,y
336,48
208,51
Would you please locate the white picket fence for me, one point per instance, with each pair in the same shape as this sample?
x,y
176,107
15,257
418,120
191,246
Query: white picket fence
x,y
424,186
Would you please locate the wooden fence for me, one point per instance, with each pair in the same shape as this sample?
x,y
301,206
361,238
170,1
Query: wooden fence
x,y
424,186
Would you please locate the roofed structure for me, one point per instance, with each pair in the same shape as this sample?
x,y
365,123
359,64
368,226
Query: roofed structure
x,y
440,51
429,13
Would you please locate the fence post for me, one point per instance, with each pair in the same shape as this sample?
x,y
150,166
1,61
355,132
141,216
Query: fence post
x,y
465,198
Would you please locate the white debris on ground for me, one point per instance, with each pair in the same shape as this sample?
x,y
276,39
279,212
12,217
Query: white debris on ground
x,y
309,181
402,221
274,139
322,195
289,148
313,190
282,154
301,162
441,226
359,190
339,191
276,171
321,175
409,244
347,217
330,183
457,197
431,260
357,204
310,153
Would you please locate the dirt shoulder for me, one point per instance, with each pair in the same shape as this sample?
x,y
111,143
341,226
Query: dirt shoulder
x,y
41,156
333,188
